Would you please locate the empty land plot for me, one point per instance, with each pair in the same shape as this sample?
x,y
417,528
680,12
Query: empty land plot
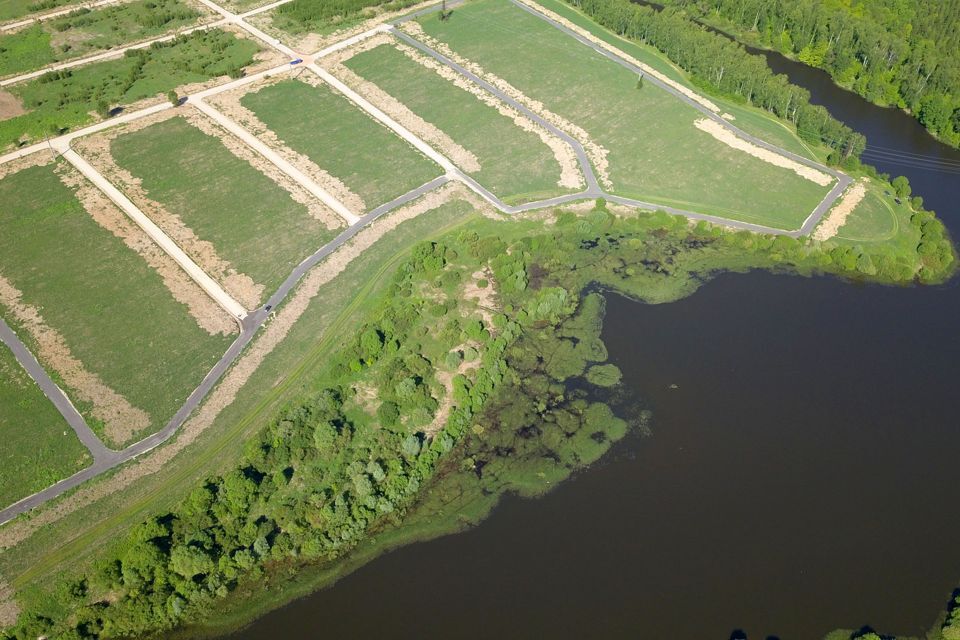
x,y
11,9
253,224
876,218
515,164
66,99
655,152
100,320
39,447
87,31
336,135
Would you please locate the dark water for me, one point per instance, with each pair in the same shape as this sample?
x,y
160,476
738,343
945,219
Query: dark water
x,y
802,475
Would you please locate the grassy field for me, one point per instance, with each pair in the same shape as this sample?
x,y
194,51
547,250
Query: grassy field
x,y
68,99
515,164
877,218
85,31
12,9
287,373
655,152
39,447
370,159
252,222
113,310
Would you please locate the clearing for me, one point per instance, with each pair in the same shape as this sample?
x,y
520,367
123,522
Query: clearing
x,y
645,141
101,320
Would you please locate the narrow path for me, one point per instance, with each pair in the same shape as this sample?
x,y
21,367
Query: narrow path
x,y
54,394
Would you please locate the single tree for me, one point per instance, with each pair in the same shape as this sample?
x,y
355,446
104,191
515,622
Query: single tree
x,y
173,98
902,186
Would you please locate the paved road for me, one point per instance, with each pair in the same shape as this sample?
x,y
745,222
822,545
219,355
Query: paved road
x,y
104,459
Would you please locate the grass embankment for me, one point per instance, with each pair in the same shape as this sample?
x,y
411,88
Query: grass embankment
x,y
287,373
655,151
114,312
64,100
86,31
39,447
515,164
251,221
371,160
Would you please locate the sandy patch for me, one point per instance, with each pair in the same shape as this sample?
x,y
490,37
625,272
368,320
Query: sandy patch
x,y
445,406
10,106
596,153
120,418
96,149
237,147
648,70
728,138
208,314
9,610
228,103
38,159
485,297
226,392
837,217
728,116
427,132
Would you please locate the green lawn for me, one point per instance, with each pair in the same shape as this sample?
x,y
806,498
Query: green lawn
x,y
85,31
113,310
252,222
655,152
876,219
39,447
69,99
339,137
515,164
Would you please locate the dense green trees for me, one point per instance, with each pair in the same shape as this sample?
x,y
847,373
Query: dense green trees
x,y
725,67
904,53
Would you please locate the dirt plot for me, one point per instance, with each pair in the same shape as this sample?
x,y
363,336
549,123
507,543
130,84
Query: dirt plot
x,y
120,418
730,139
9,610
237,147
226,392
208,314
96,149
10,106
596,152
650,71
228,103
837,217
427,132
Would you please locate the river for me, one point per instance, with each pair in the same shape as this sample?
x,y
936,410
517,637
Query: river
x,y
801,475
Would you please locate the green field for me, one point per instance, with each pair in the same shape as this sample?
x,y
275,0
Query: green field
x,y
39,447
515,164
11,9
370,159
876,219
114,312
85,31
287,373
252,222
655,152
65,100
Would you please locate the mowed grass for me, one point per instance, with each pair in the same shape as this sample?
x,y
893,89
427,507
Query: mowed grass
x,y
514,164
39,447
371,160
287,373
84,31
876,219
112,309
68,99
655,151
252,222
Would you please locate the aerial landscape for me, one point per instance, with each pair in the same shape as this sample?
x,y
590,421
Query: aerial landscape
x,y
479,318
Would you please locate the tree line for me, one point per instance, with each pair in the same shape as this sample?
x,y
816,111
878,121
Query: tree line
x,y
902,53
725,67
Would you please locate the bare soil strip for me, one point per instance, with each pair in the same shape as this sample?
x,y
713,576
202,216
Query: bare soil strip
x,y
650,71
228,103
39,159
120,418
570,176
317,209
445,378
837,217
596,153
10,106
9,610
209,315
226,392
728,138
427,132
96,149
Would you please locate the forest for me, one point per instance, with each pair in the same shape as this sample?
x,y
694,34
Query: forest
x,y
900,53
